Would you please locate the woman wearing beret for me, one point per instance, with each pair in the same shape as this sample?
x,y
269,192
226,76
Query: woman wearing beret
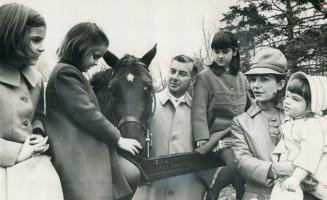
x,y
255,133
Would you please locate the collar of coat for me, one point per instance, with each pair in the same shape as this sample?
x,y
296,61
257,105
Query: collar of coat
x,y
291,119
165,97
12,76
216,69
255,109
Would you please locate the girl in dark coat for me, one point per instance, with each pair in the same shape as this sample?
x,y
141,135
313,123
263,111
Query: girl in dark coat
x,y
220,94
83,141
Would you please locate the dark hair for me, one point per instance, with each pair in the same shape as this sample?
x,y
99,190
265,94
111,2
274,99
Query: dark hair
x,y
15,23
186,59
80,41
280,93
301,87
225,39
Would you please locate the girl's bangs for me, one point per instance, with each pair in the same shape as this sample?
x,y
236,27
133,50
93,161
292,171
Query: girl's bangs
x,y
223,41
300,87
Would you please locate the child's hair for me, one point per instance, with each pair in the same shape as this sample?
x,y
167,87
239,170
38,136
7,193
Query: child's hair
x,y
15,23
301,86
226,39
80,41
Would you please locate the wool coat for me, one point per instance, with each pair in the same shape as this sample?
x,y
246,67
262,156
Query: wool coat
x,y
83,141
171,133
22,111
218,97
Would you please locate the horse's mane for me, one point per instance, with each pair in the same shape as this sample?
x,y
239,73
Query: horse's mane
x,y
99,79
103,77
129,60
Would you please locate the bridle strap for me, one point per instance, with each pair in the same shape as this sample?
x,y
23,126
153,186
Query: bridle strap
x,y
138,121
154,103
126,119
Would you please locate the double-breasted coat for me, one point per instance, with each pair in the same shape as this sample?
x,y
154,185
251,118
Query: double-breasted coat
x,y
82,139
218,96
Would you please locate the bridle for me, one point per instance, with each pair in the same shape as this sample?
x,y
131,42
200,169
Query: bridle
x,y
136,120
144,124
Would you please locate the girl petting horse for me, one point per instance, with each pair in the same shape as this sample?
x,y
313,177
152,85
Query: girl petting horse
x,y
83,141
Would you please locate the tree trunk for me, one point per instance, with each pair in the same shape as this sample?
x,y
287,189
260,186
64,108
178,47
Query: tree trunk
x,y
290,20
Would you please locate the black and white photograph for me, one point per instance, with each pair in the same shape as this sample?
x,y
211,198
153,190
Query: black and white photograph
x,y
163,100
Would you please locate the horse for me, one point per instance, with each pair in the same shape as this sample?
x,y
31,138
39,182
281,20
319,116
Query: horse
x,y
125,94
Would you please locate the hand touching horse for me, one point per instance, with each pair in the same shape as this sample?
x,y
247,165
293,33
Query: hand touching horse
x,y
125,95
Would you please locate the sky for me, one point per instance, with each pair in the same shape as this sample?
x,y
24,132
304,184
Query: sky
x,y
133,26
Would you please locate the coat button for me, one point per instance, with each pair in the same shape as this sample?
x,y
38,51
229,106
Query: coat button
x,y
25,123
233,98
232,89
235,109
24,99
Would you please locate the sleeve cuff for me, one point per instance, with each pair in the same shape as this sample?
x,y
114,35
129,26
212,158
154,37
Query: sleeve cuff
x,y
116,135
262,171
9,152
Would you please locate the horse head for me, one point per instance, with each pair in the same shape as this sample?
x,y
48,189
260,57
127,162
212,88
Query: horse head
x,y
125,93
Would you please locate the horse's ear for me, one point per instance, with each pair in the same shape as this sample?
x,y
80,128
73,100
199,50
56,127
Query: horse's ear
x,y
147,58
110,58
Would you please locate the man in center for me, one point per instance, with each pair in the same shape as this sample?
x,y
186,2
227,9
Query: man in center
x,y
172,133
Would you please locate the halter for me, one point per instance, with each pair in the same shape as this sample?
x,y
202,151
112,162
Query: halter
x,y
141,121
133,119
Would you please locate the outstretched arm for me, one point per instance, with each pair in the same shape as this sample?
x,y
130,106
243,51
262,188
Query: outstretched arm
x,y
73,95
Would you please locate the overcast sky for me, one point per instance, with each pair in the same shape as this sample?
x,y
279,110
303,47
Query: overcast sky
x,y
134,26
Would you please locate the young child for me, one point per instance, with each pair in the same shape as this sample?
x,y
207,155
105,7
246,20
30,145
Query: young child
x,y
220,93
304,140
25,171
83,141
